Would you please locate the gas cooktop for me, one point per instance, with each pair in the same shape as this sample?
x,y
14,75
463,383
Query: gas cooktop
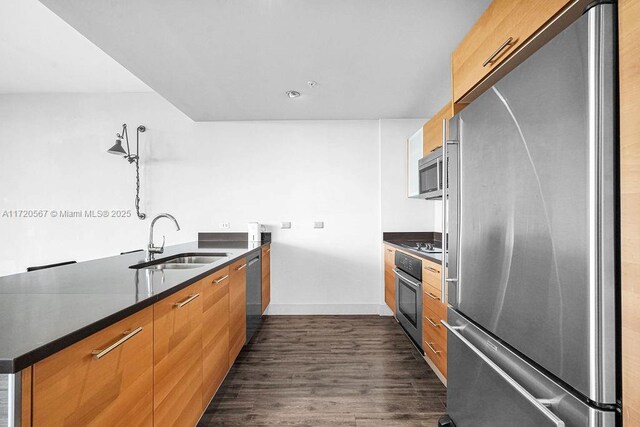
x,y
427,248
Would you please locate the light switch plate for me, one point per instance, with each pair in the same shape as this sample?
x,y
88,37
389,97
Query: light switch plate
x,y
286,225
225,225
318,224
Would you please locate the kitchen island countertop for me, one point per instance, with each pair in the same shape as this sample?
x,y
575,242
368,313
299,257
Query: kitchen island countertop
x,y
44,311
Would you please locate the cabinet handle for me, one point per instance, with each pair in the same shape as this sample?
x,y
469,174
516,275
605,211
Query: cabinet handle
x,y
268,250
186,301
432,296
241,267
506,43
390,250
99,354
431,348
223,278
435,325
432,269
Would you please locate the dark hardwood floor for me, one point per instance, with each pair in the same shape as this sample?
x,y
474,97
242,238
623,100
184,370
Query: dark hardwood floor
x,y
328,370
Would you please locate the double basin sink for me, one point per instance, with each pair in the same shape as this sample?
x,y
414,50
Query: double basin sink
x,y
182,261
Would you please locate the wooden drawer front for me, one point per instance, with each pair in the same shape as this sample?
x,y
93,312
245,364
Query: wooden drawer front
x,y
431,323
432,130
431,292
177,352
73,387
517,20
215,332
436,350
431,274
433,305
266,277
390,290
237,308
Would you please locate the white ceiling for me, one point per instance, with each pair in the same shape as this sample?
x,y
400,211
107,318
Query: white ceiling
x,y
235,59
39,52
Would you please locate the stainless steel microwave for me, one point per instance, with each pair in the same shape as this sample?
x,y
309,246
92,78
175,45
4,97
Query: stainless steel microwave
x,y
430,175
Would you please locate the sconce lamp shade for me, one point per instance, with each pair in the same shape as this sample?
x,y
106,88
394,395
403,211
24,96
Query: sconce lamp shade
x,y
117,148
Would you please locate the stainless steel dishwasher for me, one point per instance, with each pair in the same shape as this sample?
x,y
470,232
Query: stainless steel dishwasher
x,y
254,293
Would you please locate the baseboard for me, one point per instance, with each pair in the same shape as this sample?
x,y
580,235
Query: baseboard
x,y
436,371
323,309
384,310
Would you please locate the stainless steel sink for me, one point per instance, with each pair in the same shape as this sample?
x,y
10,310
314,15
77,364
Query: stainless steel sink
x,y
196,259
182,261
172,266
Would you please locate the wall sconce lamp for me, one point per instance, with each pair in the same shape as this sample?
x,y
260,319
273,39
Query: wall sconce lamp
x,y
131,158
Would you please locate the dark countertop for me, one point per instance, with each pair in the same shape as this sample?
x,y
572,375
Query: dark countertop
x,y
44,311
404,239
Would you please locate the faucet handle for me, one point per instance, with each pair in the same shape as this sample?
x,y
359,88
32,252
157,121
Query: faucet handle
x,y
162,246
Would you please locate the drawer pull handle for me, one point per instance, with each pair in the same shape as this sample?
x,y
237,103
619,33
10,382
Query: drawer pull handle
x,y
186,301
432,269
435,325
223,278
99,354
432,296
432,348
241,267
490,59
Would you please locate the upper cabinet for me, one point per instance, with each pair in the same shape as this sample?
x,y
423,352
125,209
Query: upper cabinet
x,y
414,154
432,130
506,28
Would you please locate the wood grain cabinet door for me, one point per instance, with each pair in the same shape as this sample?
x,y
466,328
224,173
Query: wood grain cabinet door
x,y
501,30
389,277
177,349
215,333
237,308
105,379
432,130
266,277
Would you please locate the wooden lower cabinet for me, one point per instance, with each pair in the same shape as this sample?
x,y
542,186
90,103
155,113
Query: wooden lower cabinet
x,y
237,308
389,277
435,348
431,274
177,386
113,388
215,333
266,277
434,335
160,366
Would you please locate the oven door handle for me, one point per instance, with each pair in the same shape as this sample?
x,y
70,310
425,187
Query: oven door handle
x,y
406,278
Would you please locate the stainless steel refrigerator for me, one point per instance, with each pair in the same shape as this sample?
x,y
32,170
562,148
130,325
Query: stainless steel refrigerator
x,y
533,241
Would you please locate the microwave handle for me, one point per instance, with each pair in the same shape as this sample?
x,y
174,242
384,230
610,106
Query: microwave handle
x,y
438,168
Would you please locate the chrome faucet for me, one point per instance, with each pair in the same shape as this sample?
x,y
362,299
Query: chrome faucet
x,y
152,250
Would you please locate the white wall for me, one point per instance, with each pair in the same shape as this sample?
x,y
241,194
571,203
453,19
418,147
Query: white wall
x,y
398,212
344,173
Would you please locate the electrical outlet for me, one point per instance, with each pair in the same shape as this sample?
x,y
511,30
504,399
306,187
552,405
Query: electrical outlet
x,y
286,225
318,224
225,225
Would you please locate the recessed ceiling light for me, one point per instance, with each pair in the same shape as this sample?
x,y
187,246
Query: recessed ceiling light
x,y
293,93
312,83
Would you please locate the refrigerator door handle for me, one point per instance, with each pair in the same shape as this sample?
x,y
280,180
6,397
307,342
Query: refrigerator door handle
x,y
446,234
445,190
540,404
